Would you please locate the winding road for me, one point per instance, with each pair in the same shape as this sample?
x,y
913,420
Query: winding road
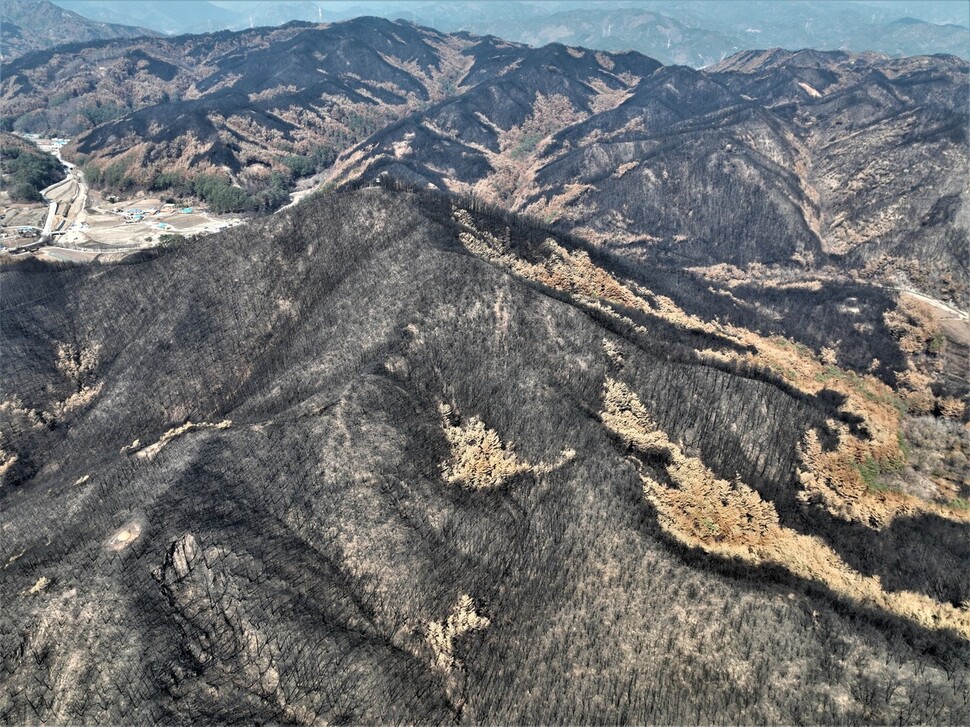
x,y
66,199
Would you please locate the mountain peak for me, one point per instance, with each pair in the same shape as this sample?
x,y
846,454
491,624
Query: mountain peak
x,y
30,25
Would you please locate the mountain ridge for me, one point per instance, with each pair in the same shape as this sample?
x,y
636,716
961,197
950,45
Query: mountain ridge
x,y
30,25
353,444
757,116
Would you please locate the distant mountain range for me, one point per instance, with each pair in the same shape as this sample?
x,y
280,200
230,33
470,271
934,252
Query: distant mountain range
x,y
29,25
614,146
701,32
255,104
174,17
695,32
771,156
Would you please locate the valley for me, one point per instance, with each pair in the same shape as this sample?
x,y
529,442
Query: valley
x,y
84,226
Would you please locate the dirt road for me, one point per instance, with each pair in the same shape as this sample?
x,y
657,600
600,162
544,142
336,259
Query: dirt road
x,y
938,304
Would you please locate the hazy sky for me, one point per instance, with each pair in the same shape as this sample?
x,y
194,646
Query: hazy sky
x,y
690,32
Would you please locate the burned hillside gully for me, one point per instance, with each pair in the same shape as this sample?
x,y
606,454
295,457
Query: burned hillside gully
x,y
389,458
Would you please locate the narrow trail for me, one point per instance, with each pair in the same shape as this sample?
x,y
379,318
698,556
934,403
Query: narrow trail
x,y
938,304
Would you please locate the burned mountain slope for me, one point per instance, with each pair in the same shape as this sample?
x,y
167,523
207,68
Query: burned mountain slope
x,y
245,101
885,155
807,161
390,458
281,100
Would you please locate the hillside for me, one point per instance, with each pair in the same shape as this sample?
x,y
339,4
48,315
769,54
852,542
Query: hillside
x,y
389,457
30,25
25,170
782,166
261,107
772,169
802,161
